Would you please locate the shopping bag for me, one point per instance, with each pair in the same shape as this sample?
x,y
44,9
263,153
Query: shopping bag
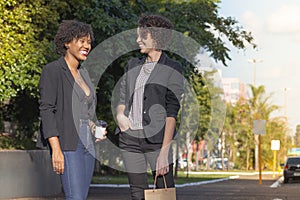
x,y
160,194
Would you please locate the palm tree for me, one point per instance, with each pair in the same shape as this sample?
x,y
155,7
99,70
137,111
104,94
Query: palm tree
x,y
241,128
260,110
297,136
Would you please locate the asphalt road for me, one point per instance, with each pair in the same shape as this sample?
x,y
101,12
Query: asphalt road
x,y
245,187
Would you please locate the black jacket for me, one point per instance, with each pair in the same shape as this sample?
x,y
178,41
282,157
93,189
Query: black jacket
x,y
162,94
60,100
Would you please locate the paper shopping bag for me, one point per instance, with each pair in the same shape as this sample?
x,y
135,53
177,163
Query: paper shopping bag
x,y
160,194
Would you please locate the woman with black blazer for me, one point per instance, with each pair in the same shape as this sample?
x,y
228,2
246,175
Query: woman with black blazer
x,y
67,109
150,94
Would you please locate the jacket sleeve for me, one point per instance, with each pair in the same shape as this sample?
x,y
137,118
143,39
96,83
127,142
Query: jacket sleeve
x,y
48,98
122,89
174,91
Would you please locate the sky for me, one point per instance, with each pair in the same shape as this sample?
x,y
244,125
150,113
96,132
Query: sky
x,y
275,25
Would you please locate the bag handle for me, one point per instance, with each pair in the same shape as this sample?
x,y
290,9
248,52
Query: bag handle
x,y
155,180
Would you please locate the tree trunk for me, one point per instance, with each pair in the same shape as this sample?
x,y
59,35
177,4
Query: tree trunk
x,y
197,155
177,157
187,143
222,149
256,151
208,160
247,158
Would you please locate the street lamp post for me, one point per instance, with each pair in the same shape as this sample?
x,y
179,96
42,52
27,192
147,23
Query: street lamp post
x,y
285,113
256,137
285,101
254,61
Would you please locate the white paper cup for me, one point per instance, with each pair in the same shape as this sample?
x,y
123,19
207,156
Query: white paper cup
x,y
100,132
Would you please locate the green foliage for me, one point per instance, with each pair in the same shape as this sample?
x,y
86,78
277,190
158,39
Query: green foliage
x,y
276,130
239,130
181,179
199,84
239,135
22,113
27,31
297,136
199,20
21,50
12,142
28,27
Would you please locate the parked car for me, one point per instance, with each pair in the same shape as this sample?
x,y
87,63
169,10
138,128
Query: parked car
x,y
217,164
291,168
183,164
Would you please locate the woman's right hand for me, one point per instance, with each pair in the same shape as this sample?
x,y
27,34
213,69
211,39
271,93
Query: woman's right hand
x,y
123,122
58,159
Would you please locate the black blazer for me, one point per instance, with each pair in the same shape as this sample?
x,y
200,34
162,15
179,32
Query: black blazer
x,y
162,94
60,100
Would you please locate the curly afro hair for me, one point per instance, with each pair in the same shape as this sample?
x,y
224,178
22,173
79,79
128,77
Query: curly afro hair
x,y
69,30
159,27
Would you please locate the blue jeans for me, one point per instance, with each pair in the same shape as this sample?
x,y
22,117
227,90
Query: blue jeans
x,y
79,166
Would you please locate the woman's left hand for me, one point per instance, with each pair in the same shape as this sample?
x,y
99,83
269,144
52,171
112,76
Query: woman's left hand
x,y
103,138
93,129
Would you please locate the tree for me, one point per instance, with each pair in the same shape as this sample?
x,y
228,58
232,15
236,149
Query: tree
x,y
22,50
238,129
203,108
277,128
239,135
28,29
203,112
25,30
200,20
297,136
260,106
239,125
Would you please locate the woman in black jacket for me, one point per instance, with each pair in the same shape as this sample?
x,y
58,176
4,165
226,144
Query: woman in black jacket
x,y
67,109
150,94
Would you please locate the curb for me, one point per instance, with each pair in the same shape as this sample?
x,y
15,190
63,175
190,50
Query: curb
x,y
176,185
277,183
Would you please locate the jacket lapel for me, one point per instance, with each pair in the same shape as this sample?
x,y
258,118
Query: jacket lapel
x,y
67,74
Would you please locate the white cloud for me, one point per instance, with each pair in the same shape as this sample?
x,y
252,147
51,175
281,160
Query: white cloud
x,y
296,38
285,20
251,21
273,74
275,25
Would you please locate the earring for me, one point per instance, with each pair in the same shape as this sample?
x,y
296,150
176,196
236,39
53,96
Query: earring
x,y
67,47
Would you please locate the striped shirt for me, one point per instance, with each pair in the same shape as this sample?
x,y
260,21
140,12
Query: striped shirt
x,y
136,110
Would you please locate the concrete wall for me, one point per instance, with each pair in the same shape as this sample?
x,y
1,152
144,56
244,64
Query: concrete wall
x,y
27,174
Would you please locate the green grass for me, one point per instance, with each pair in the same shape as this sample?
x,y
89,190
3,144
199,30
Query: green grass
x,y
182,178
122,179
110,179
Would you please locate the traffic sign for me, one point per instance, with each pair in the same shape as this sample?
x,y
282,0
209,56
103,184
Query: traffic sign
x,y
259,127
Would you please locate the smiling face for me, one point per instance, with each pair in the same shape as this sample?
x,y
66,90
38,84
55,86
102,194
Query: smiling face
x,y
79,48
145,41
